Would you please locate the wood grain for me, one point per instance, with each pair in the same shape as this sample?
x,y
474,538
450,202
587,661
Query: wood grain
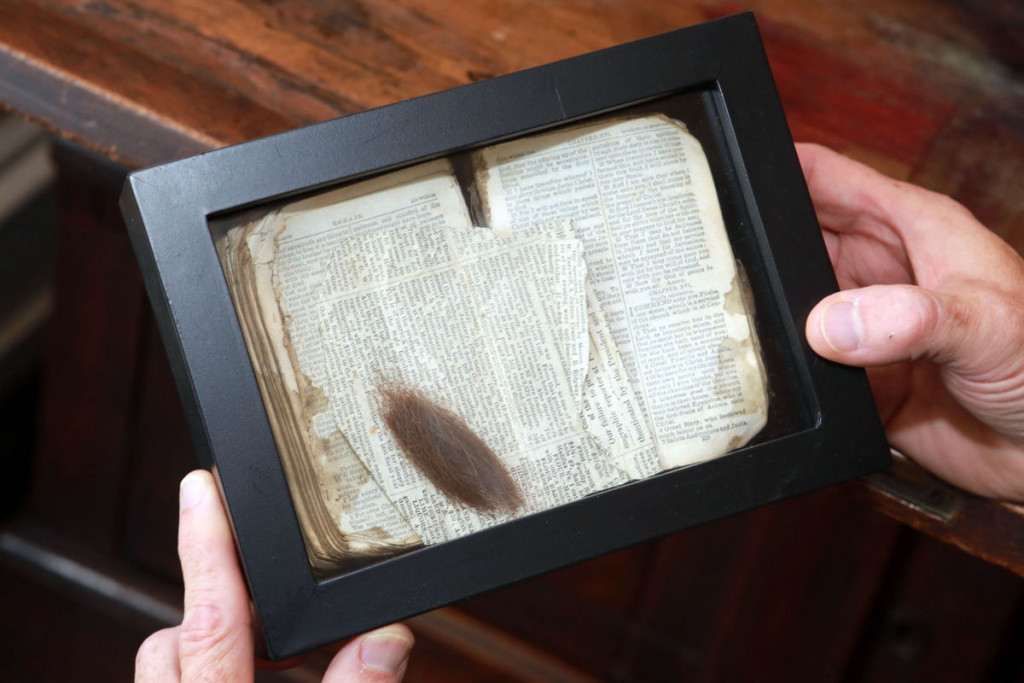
x,y
81,458
924,630
216,73
817,588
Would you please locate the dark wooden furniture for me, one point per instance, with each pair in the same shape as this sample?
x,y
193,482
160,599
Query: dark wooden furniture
x,y
819,588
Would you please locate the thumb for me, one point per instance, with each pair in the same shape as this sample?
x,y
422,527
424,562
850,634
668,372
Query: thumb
x,y
380,656
884,324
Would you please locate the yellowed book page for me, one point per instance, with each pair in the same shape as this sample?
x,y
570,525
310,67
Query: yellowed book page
x,y
293,251
661,269
494,329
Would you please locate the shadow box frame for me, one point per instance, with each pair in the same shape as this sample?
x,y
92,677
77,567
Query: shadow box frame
x,y
169,209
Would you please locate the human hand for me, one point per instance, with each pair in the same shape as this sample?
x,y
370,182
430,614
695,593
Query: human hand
x,y
215,640
933,305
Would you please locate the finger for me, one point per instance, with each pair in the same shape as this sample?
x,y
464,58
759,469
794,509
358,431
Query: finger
x,y
847,192
885,324
941,236
935,430
157,659
994,470
972,330
380,656
215,639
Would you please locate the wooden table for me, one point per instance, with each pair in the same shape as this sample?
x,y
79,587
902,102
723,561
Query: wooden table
x,y
818,588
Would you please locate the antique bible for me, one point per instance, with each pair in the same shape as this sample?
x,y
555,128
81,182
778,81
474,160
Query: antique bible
x,y
440,351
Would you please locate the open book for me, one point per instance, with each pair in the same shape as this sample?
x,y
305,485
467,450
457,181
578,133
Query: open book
x,y
428,372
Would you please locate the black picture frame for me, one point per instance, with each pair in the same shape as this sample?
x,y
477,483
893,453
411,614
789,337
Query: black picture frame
x,y
722,64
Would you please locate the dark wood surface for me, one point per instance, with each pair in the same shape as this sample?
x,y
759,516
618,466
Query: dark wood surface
x,y
824,587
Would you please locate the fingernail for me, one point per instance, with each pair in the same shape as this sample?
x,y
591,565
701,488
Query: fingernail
x,y
841,326
385,652
192,490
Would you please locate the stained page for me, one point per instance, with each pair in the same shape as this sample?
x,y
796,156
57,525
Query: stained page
x,y
284,260
661,269
494,329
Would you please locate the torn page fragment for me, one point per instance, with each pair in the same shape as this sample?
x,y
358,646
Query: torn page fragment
x,y
494,330
642,198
